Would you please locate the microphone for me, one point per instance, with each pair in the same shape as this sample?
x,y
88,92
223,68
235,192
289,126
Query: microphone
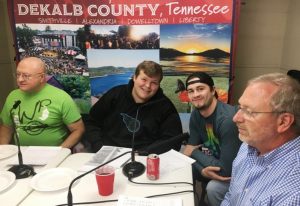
x,y
21,171
16,104
134,168
70,197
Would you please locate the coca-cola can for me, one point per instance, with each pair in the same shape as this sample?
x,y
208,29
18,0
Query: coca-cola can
x,y
153,166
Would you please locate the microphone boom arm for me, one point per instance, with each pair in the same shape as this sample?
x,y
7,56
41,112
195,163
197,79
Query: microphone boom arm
x,y
15,133
70,197
20,170
134,168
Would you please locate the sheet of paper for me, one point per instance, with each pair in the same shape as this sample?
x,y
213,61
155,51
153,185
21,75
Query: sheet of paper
x,y
37,155
140,201
178,156
105,154
170,161
173,160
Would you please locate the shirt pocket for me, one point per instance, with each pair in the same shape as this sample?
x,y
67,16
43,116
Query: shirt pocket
x,y
235,201
267,201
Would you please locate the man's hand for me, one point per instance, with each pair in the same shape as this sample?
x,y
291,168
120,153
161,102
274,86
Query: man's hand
x,y
76,130
189,149
210,172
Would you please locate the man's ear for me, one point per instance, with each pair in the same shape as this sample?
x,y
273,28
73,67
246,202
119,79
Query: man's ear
x,y
134,78
285,120
214,90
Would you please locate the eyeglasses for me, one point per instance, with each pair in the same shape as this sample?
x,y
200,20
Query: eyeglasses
x,y
251,114
27,77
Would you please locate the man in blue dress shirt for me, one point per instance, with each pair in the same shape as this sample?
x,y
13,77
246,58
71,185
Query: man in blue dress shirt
x,y
266,170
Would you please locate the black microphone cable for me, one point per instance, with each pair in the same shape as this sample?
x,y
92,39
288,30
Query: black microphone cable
x,y
164,183
115,200
70,197
86,203
158,183
130,179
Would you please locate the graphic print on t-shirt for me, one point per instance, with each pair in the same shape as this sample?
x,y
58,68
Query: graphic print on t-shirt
x,y
212,142
32,122
132,124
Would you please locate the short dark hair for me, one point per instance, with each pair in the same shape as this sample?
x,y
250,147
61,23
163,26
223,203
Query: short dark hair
x,y
203,78
150,68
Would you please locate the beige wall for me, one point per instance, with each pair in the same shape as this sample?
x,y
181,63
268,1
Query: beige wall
x,y
291,44
261,37
268,41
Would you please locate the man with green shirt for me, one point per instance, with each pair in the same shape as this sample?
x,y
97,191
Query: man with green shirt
x,y
42,115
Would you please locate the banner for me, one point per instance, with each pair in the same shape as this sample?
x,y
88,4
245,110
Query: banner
x,y
90,46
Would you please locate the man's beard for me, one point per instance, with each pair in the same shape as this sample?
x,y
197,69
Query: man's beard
x,y
205,105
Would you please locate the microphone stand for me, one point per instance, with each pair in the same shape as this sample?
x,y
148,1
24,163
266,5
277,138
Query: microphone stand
x,y
134,168
132,164
21,171
70,197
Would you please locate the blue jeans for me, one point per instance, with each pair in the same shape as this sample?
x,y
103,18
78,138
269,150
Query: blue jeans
x,y
216,191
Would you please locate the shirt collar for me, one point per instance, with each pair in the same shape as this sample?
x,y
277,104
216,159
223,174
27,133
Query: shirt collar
x,y
292,146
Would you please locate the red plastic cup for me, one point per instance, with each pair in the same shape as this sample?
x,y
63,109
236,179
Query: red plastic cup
x,y
105,180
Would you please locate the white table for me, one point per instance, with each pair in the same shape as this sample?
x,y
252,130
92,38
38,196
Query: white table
x,y
21,187
86,189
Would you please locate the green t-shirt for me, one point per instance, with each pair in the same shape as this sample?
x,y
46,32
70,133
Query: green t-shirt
x,y
41,118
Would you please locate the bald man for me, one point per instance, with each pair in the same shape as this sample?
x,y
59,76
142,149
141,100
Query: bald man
x,y
42,115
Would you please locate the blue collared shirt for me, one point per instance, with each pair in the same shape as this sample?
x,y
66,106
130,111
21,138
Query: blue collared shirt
x,y
267,180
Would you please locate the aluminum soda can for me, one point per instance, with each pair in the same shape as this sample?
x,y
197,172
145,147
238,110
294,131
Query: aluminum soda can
x,y
153,166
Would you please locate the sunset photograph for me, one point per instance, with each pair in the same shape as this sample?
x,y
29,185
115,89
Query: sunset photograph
x,y
196,47
195,38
